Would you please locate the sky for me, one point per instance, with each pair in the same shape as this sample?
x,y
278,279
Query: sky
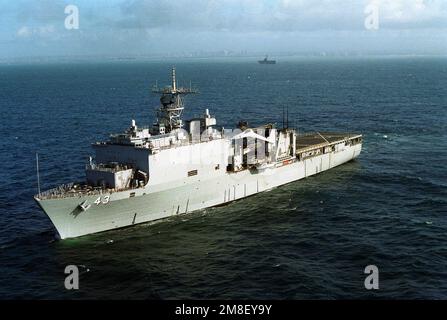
x,y
36,28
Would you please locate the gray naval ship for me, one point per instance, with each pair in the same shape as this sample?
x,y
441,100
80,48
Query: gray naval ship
x,y
175,167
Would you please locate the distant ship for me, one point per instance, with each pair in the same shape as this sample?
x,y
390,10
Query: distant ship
x,y
149,173
267,61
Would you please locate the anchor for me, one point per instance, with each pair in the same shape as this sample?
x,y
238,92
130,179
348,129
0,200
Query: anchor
x,y
84,205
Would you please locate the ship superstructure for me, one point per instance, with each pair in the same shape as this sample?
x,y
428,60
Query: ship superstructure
x,y
175,167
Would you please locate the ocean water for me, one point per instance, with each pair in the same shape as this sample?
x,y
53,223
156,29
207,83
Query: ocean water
x,y
310,239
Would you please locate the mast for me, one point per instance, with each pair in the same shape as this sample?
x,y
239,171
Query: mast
x,y
169,115
174,86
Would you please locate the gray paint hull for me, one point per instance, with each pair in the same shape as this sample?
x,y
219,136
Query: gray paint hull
x,y
161,201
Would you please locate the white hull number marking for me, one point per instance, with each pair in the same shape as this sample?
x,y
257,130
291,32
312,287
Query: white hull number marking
x,y
104,200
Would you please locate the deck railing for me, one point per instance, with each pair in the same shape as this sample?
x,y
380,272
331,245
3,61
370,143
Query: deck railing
x,y
68,191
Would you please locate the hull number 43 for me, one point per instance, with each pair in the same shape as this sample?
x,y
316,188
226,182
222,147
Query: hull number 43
x,y
103,200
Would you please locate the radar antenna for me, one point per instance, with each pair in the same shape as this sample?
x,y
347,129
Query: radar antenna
x,y
169,115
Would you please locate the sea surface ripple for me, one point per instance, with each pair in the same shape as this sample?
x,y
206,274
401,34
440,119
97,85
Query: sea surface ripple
x,y
309,239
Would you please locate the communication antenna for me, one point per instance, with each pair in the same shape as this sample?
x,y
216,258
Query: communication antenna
x,y
37,171
283,120
170,112
174,85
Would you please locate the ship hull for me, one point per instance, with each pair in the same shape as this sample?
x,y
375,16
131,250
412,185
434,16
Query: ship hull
x,y
162,201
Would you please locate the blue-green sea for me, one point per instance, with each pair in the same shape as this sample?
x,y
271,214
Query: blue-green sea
x,y
310,239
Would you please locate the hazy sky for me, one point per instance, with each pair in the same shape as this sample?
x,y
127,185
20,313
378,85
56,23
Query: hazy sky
x,y
141,27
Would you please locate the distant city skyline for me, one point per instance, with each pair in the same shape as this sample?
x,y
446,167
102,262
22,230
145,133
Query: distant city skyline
x,y
120,28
